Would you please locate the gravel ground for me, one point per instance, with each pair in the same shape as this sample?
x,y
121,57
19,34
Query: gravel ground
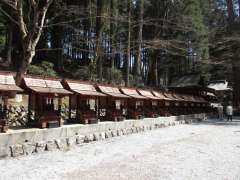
x,y
206,151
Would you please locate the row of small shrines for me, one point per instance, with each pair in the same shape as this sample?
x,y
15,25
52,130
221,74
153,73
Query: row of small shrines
x,y
92,102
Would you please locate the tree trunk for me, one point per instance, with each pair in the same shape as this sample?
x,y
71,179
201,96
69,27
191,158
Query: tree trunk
x,y
29,38
10,27
230,10
156,72
129,45
153,70
112,37
25,62
9,45
99,40
86,31
238,7
57,33
235,58
236,77
137,72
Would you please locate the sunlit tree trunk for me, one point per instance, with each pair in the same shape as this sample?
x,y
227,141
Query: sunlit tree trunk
x,y
99,50
9,45
137,72
113,24
128,59
29,37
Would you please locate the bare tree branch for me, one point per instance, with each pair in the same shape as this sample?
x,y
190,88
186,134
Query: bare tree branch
x,y
22,25
42,20
11,3
9,16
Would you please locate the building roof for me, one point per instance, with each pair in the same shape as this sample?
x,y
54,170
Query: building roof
x,y
211,94
189,98
220,85
112,91
200,99
170,96
7,83
148,94
160,95
132,93
180,97
83,88
186,81
45,86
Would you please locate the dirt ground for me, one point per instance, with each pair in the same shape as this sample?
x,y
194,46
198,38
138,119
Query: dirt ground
x,y
206,151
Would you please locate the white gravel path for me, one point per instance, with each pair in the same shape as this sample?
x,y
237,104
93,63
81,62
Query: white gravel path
x,y
208,151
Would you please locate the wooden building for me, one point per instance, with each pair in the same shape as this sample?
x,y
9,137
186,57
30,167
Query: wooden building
x,y
163,103
135,103
115,103
184,104
151,108
202,105
8,89
222,91
174,108
45,100
190,103
84,101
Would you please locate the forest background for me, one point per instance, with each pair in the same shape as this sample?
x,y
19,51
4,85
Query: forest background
x,y
139,43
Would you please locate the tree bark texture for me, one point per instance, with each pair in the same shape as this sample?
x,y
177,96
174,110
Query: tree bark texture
x,y
128,46
140,39
99,50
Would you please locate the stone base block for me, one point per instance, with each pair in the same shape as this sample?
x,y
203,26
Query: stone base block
x,y
79,139
40,147
17,150
4,152
29,148
71,141
51,146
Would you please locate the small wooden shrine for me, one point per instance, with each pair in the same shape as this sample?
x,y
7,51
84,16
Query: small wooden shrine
x,y
45,101
202,105
163,103
84,101
192,104
174,103
115,103
183,101
198,98
151,103
8,89
135,103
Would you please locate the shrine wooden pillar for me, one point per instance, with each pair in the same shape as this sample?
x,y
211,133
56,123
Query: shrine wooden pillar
x,y
70,107
5,109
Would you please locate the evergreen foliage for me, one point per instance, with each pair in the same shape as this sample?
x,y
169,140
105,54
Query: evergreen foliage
x,y
44,69
137,42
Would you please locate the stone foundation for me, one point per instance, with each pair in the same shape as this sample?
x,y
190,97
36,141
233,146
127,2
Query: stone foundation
x,y
29,141
18,115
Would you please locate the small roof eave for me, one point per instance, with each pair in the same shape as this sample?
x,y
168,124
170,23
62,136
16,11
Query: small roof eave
x,y
112,91
148,94
132,93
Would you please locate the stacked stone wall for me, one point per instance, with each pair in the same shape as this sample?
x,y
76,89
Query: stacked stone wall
x,y
27,142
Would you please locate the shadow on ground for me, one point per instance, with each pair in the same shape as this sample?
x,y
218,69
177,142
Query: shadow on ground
x,y
217,122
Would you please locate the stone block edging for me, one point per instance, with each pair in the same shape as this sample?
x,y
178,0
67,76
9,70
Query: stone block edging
x,y
94,133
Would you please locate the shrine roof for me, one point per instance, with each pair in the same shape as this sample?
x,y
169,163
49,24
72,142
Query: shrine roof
x,y
83,88
148,94
45,86
7,83
132,93
112,91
